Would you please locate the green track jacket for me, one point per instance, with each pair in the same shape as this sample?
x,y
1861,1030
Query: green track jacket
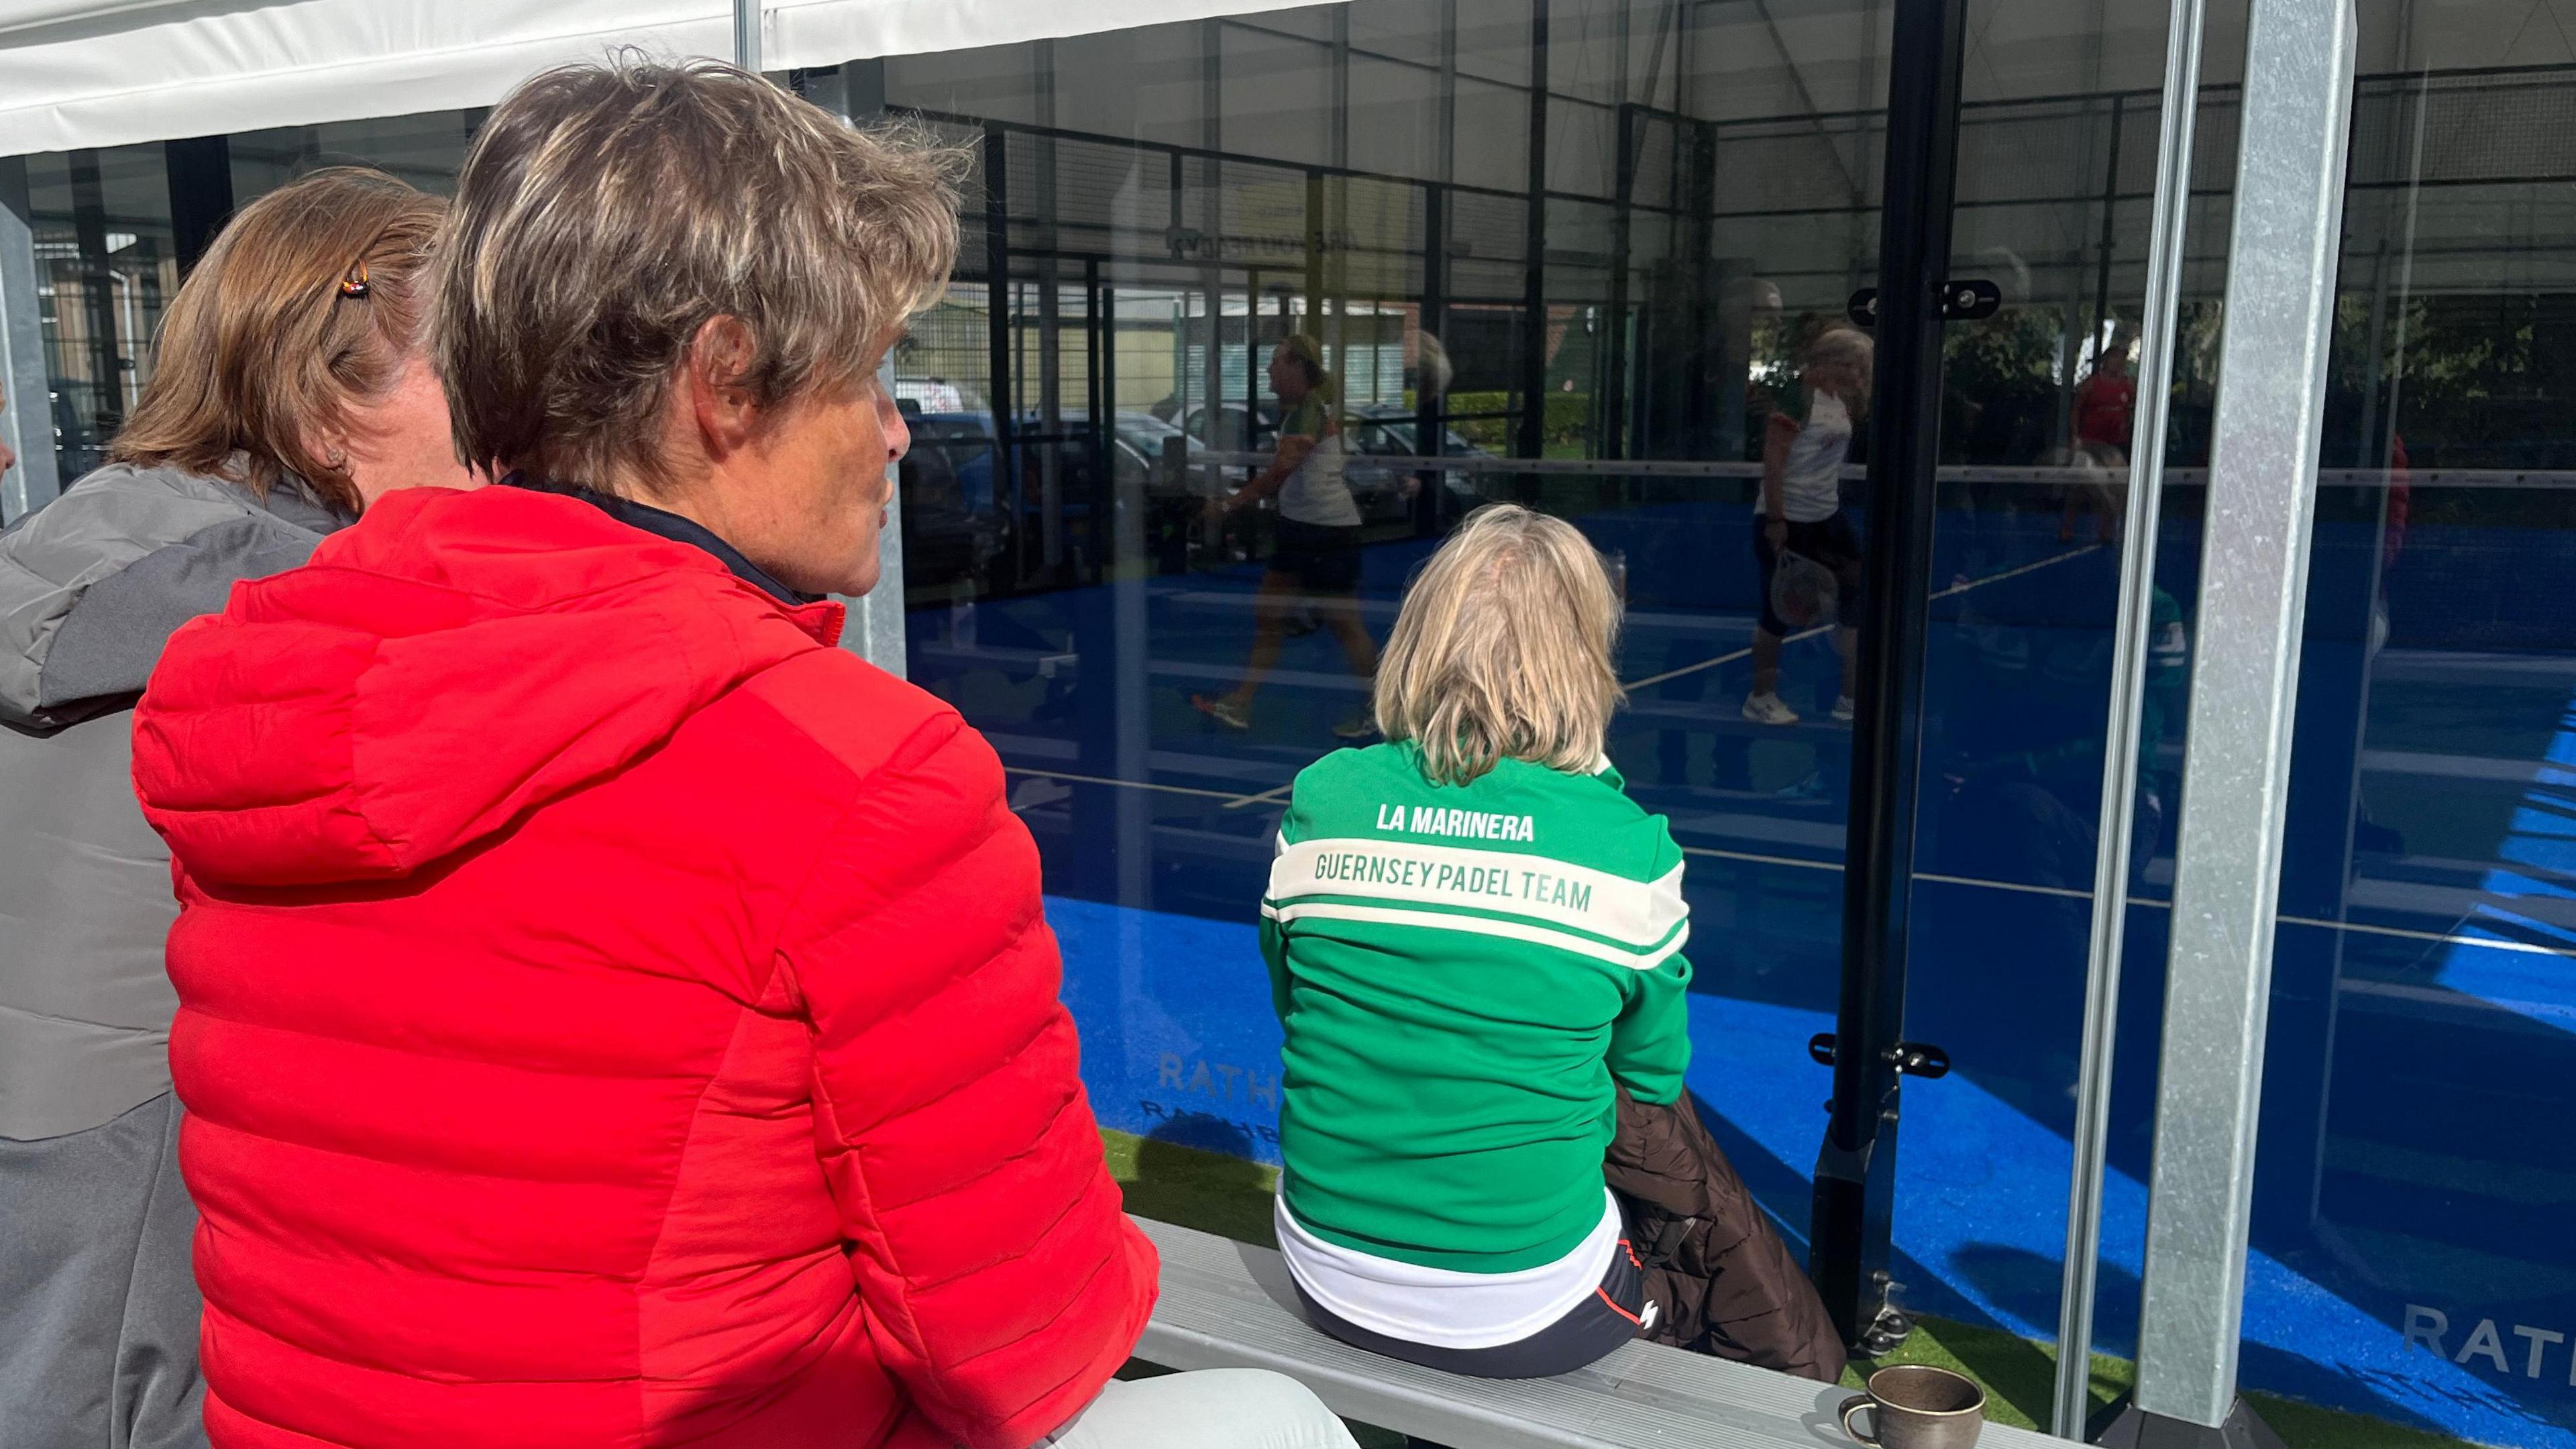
x,y
1464,972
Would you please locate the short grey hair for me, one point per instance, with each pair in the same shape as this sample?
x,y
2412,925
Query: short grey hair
x,y
607,212
1503,649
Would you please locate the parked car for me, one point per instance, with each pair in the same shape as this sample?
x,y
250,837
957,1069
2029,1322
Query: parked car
x,y
951,532
1382,490
965,521
1388,428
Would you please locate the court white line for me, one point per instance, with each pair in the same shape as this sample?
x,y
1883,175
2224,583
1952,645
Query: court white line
x,y
1949,593
2440,938
1384,608
1670,674
1228,673
1745,855
2363,928
1124,784
1964,585
2061,892
2445,938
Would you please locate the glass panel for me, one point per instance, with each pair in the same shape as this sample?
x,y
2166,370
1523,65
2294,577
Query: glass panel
x,y
1167,203
106,263
425,150
2414,1176
108,250
1278,96
1100,372
2054,198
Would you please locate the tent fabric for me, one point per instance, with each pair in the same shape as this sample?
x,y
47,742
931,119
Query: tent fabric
x,y
82,73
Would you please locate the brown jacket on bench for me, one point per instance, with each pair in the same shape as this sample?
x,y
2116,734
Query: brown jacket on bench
x,y
1726,1282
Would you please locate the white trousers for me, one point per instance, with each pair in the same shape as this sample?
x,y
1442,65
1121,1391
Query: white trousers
x,y
1209,1409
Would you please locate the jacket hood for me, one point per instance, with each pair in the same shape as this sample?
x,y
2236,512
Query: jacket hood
x,y
457,659
93,584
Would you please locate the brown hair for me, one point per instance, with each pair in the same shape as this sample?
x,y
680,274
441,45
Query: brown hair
x,y
303,308
608,212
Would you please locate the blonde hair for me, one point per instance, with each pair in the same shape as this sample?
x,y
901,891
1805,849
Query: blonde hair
x,y
1503,649
1843,348
303,309
1308,354
606,213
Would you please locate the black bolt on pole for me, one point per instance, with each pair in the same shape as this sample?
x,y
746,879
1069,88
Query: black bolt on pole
x,y
1856,1171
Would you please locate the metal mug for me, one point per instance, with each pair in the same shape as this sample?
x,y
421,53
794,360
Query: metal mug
x,y
1917,1406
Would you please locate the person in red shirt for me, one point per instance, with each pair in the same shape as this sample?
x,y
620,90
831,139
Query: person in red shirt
x,y
2105,403
611,1014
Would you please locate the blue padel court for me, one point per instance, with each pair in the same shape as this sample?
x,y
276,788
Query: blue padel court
x,y
2411,1259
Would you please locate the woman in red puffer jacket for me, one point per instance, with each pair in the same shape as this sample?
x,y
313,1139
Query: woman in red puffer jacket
x,y
610,1013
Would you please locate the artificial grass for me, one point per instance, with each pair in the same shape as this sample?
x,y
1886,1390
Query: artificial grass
x,y
1232,1198
1209,1191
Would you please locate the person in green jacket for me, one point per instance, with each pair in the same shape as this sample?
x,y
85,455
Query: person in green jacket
x,y
1475,941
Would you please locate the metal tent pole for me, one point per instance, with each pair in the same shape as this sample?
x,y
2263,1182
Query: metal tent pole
x,y
2129,649
746,34
27,426
2253,595
875,630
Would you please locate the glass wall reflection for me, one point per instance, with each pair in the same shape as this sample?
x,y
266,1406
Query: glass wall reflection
x,y
2056,186
1581,273
2415,1171
107,262
1611,275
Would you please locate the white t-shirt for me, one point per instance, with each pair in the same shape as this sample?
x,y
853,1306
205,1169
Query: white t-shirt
x,y
1318,492
1811,481
1442,1307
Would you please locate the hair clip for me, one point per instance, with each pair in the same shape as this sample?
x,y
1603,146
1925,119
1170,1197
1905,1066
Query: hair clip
x,y
355,284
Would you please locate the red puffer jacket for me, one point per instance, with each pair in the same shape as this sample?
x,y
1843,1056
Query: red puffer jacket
x,y
611,1015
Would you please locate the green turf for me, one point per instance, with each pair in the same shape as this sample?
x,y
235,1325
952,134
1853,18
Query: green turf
x,y
1208,1191
1231,1197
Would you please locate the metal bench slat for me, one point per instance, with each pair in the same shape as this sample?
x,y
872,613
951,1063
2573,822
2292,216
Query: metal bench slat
x,y
1228,1305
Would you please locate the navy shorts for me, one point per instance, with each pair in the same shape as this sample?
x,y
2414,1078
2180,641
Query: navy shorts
x,y
1323,557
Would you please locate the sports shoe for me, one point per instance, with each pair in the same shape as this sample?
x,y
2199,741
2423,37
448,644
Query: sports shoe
x,y
1357,727
1768,709
1224,711
1843,708
1811,786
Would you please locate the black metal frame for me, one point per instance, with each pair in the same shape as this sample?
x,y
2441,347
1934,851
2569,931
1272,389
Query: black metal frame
x,y
1856,1170
89,228
200,172
1533,380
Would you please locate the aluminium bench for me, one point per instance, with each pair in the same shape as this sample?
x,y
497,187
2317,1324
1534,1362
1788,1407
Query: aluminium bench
x,y
1228,1305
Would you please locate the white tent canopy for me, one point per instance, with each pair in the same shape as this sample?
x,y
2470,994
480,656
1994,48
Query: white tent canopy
x,y
77,73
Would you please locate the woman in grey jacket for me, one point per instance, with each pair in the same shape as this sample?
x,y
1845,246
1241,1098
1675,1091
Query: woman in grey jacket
x,y
288,390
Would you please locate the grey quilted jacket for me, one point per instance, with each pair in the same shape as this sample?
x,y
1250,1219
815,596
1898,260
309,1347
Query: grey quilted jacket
x,y
91,588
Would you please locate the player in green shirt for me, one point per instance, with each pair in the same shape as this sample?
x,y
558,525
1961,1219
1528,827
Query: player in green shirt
x,y
1474,938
